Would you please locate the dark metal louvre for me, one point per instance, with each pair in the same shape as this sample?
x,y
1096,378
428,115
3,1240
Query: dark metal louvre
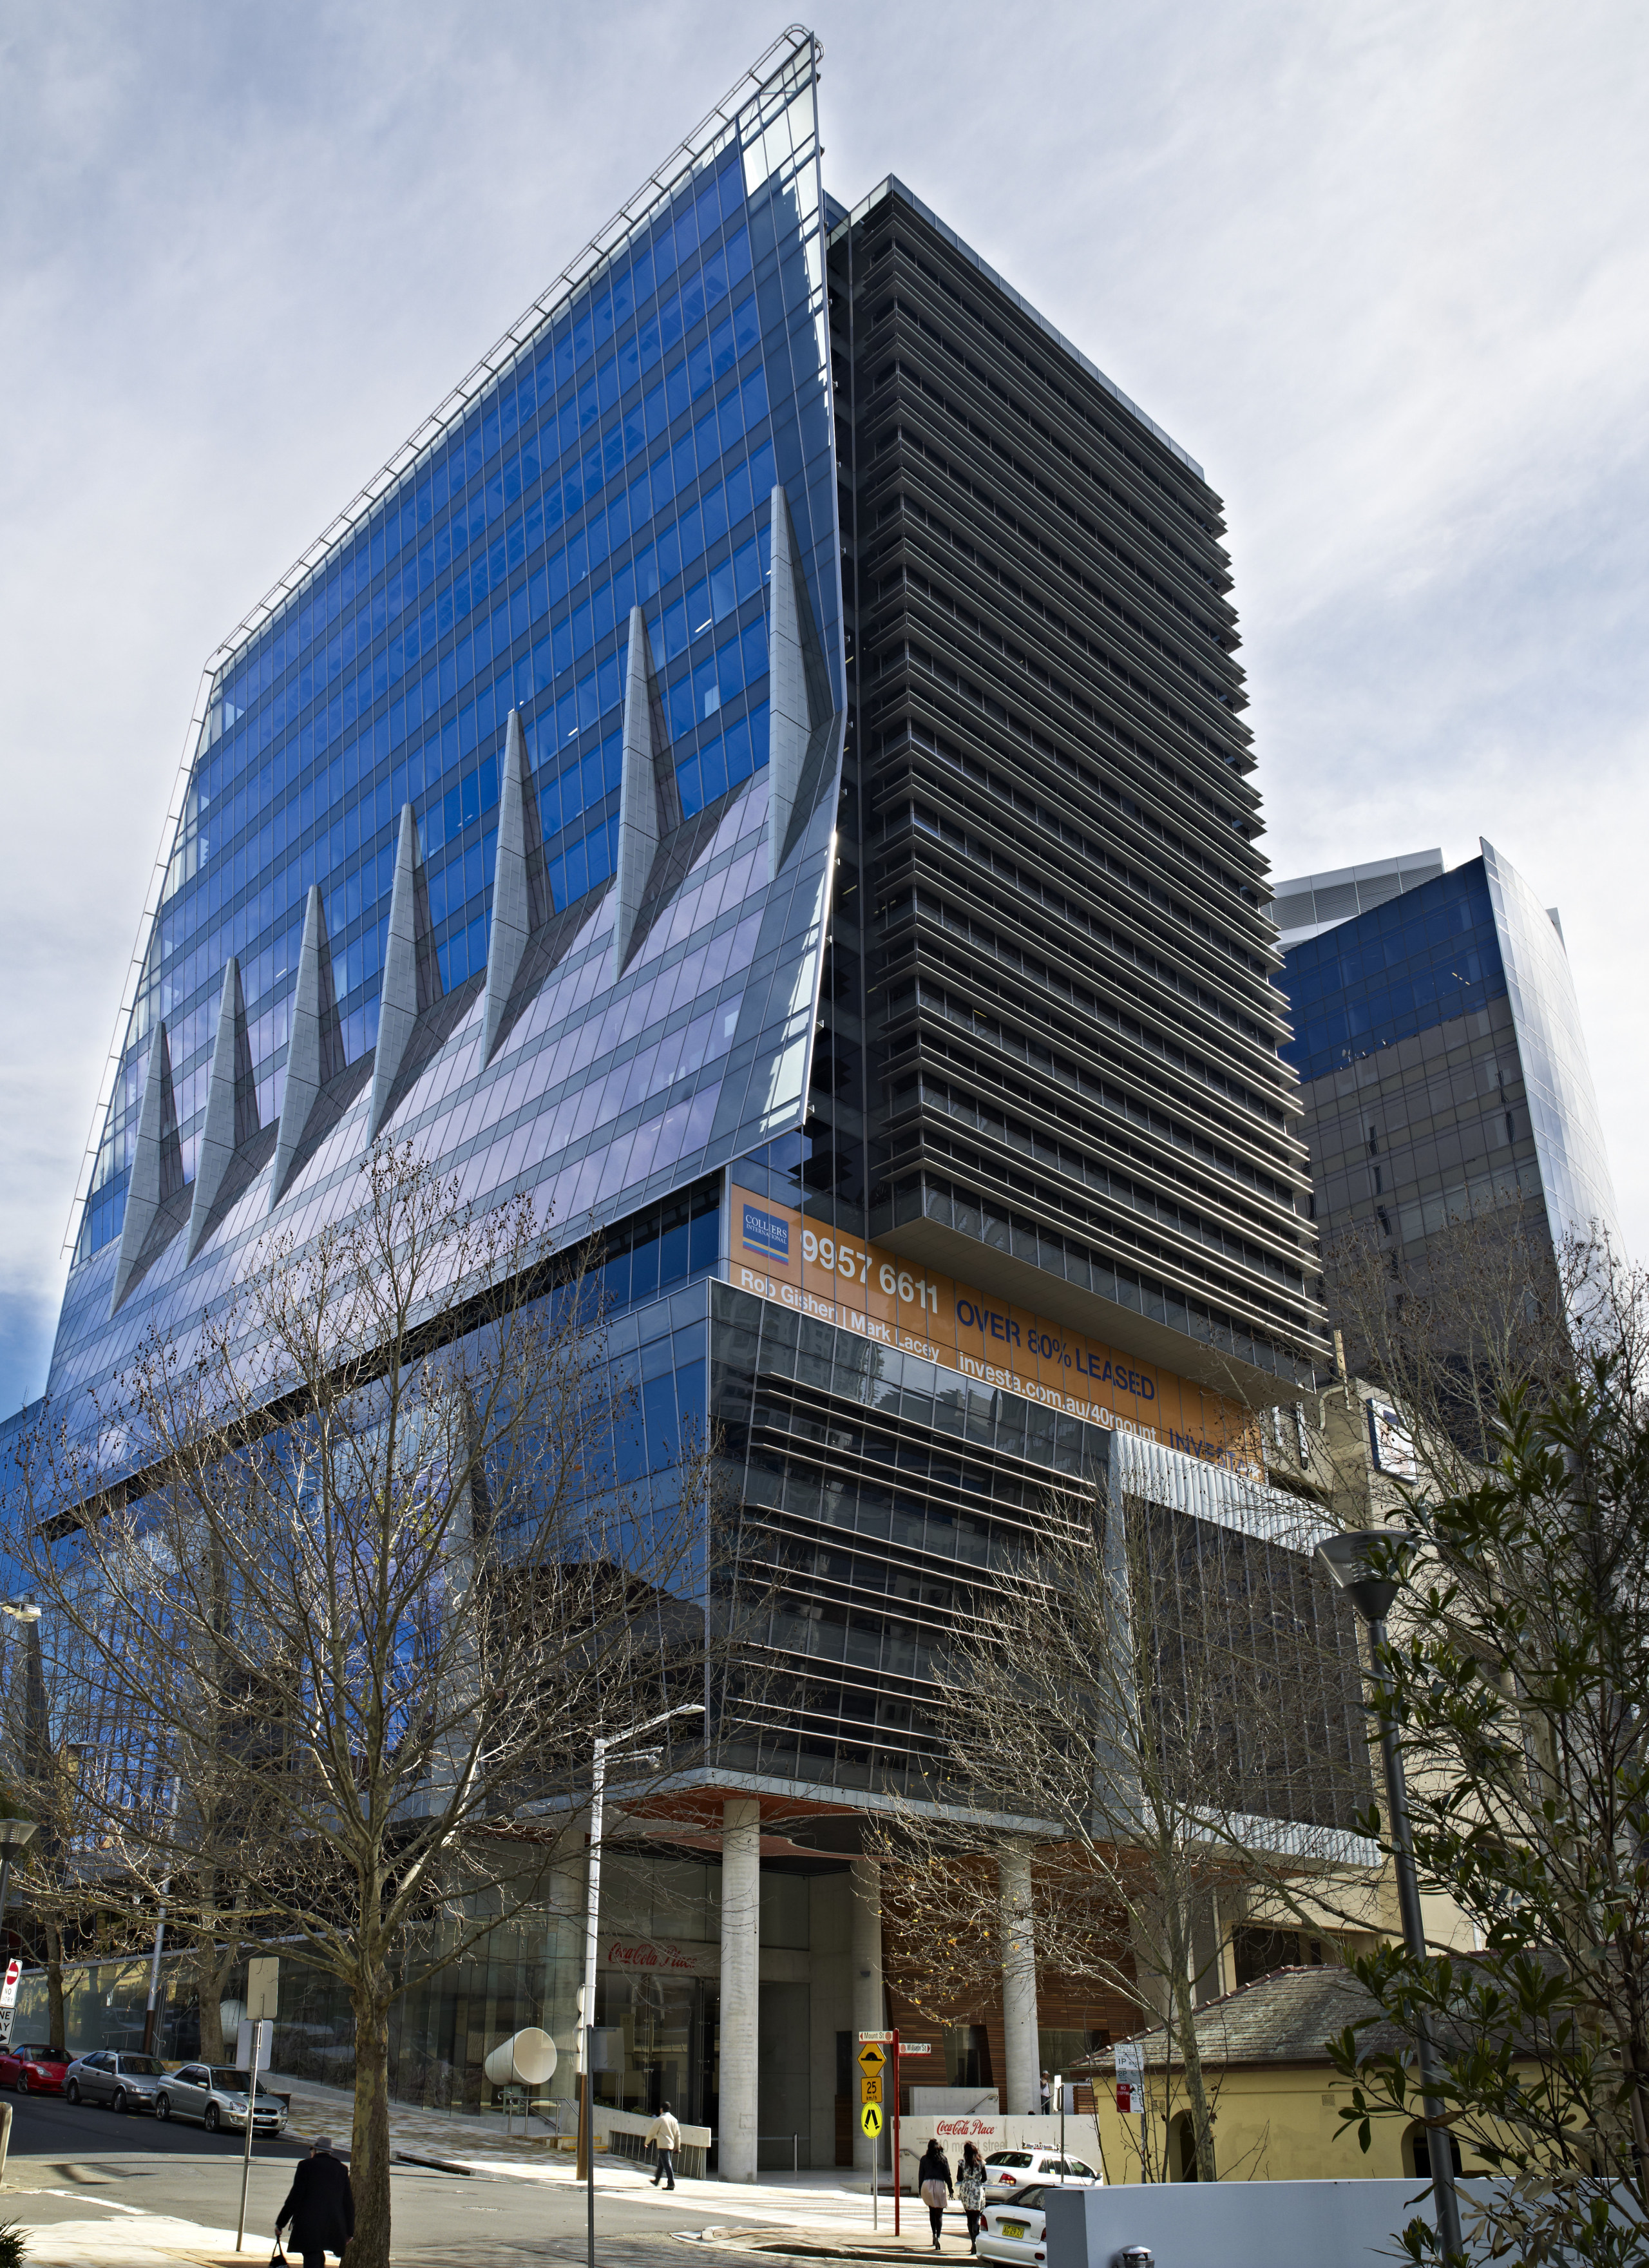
x,y
1054,800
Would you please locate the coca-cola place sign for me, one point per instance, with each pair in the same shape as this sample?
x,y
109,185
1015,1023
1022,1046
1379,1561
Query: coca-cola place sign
x,y
657,1956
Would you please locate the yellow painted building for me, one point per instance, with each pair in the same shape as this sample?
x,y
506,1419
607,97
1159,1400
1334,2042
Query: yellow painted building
x,y
1277,2096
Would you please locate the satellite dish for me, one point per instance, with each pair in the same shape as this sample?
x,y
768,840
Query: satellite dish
x,y
525,2058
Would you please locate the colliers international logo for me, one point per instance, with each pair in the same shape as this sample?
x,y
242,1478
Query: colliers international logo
x,y
766,1233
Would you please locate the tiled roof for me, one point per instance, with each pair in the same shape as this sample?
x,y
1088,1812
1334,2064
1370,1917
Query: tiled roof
x,y
1287,2017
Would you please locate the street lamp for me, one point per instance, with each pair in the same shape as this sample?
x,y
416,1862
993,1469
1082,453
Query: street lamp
x,y
1368,1564
605,1743
24,1611
14,1833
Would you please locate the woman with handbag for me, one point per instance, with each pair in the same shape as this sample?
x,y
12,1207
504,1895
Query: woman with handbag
x,y
933,2179
970,2190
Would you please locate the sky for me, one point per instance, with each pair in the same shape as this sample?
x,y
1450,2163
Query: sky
x,y
1382,269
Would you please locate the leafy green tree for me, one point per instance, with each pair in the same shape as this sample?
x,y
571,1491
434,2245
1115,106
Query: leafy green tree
x,y
1517,1674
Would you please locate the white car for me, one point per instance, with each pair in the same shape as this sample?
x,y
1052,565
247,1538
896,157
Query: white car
x,y
1010,2227
1012,2169
216,2096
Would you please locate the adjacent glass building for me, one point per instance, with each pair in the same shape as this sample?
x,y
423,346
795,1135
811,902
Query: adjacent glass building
x,y
1440,1051
763,773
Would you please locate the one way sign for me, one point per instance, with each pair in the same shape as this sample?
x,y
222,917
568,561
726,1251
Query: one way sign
x,y
9,2000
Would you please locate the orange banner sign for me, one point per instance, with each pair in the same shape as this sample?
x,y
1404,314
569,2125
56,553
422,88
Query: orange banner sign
x,y
879,1295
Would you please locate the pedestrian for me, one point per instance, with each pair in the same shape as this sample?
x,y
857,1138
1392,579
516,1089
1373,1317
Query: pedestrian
x,y
665,2137
1047,2095
933,2179
970,2190
319,2205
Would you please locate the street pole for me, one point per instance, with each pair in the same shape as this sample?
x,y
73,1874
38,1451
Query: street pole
x,y
1439,2141
592,1911
1367,1563
246,2148
591,1927
14,1833
150,2024
894,2130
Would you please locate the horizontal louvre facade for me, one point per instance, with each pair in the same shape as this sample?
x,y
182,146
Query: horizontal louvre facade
x,y
1071,1021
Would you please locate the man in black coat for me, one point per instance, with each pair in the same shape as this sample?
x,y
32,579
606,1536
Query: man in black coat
x,y
319,2205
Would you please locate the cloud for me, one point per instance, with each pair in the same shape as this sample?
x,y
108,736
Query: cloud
x,y
1381,268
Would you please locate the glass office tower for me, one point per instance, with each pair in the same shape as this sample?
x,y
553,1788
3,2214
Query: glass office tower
x,y
1440,1051
763,773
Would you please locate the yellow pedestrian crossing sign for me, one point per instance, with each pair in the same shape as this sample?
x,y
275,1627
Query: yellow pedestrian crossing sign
x,y
870,2119
870,2056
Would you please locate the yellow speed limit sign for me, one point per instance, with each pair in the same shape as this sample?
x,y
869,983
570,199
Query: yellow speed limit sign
x,y
870,2119
871,2087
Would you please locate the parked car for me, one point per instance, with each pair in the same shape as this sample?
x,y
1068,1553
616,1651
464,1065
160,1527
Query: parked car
x,y
125,2082
34,2070
215,2094
1012,2169
1012,2228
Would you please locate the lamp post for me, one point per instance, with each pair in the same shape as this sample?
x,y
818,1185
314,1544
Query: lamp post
x,y
14,1833
1354,1560
605,1743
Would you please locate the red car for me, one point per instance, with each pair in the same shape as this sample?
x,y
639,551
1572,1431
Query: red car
x,y
34,2070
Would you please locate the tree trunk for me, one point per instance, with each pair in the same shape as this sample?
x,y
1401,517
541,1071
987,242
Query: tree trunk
x,y
208,1987
1195,2093
369,2139
56,2019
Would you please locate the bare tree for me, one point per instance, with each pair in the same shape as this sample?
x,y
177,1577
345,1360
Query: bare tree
x,y
371,1592
1167,1713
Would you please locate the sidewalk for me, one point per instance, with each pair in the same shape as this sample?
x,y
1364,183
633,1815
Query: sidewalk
x,y
835,2196
827,2213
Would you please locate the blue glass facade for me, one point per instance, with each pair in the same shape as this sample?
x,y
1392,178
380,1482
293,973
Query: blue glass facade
x,y
1389,974
1439,1046
624,456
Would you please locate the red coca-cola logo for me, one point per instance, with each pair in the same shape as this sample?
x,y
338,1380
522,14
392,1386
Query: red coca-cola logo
x,y
647,1956
964,2127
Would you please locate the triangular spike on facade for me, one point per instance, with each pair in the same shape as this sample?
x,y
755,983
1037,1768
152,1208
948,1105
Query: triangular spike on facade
x,y
412,977
157,1164
231,1105
313,1049
646,756
512,928
800,694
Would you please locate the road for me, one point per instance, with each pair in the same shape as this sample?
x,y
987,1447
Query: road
x,y
65,2162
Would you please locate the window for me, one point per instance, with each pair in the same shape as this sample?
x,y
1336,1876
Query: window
x,y
1416,2153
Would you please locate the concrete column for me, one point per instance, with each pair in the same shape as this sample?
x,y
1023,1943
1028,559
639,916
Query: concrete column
x,y
740,1984
1022,2097
869,2007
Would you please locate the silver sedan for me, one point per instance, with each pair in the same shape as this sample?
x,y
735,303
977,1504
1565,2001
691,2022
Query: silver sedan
x,y
215,2094
125,2082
